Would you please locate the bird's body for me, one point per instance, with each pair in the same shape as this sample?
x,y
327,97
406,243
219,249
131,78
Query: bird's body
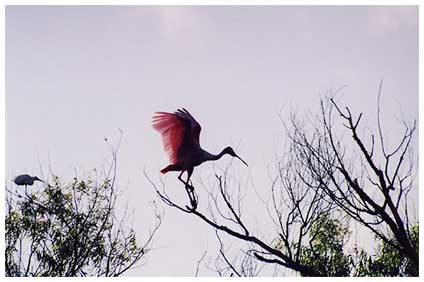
x,y
25,179
180,135
191,159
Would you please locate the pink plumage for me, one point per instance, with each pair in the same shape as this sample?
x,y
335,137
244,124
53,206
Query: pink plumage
x,y
180,136
171,128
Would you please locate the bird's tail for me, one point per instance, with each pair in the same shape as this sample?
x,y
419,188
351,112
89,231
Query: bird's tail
x,y
173,167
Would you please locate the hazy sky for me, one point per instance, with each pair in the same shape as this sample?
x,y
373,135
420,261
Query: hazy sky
x,y
74,75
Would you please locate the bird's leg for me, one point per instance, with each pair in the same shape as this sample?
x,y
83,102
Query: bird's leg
x,y
190,190
180,178
189,173
26,191
193,199
187,185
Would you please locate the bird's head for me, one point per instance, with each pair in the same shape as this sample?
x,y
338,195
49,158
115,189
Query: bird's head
x,y
231,152
35,178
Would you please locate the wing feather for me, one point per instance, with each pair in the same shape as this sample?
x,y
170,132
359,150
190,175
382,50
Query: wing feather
x,y
172,130
179,131
193,125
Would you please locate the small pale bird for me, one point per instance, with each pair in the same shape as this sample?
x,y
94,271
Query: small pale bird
x,y
180,135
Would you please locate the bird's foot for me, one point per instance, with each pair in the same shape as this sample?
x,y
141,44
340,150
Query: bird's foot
x,y
193,206
193,203
191,209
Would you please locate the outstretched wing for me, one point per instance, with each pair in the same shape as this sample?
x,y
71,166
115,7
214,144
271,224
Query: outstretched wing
x,y
193,132
179,131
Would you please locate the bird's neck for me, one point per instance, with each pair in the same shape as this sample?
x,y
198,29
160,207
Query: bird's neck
x,y
212,157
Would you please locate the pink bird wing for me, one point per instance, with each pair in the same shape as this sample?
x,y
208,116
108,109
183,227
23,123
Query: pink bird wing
x,y
171,128
193,133
179,131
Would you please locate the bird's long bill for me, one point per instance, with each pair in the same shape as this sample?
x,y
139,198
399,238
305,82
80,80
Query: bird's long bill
x,y
241,160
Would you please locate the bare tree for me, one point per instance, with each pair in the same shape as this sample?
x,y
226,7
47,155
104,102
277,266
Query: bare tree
x,y
324,180
373,190
220,207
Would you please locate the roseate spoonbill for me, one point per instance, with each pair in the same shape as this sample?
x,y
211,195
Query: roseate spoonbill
x,y
25,179
180,135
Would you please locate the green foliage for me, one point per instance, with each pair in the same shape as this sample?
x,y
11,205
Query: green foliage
x,y
388,260
325,251
68,230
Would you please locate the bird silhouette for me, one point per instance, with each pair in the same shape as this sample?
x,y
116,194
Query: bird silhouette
x,y
25,179
180,135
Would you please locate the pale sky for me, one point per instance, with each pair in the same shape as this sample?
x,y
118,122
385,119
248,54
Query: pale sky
x,y
75,75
